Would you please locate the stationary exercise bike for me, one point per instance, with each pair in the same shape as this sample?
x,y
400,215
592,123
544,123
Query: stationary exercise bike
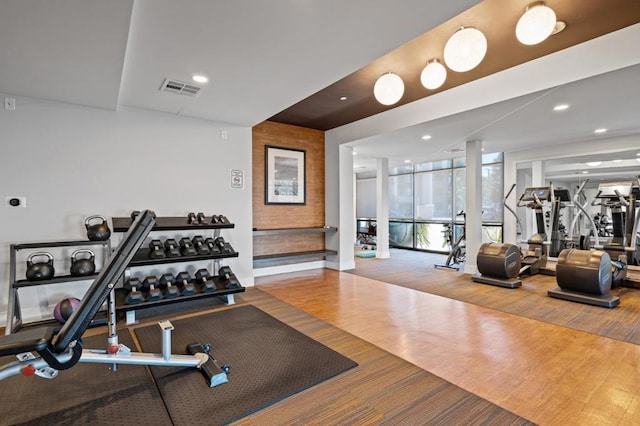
x,y
458,248
42,351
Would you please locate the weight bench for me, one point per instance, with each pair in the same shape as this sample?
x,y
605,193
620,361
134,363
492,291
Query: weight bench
x,y
42,352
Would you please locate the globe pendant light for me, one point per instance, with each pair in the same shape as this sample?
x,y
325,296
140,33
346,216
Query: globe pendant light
x,y
536,24
433,75
388,89
465,49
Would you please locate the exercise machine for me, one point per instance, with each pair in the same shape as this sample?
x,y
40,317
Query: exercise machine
x,y
621,199
586,276
561,199
458,249
43,351
577,239
503,264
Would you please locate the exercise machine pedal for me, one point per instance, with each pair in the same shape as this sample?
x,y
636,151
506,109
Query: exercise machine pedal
x,y
214,373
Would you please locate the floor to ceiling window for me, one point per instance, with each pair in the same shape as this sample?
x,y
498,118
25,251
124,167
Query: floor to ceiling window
x,y
428,199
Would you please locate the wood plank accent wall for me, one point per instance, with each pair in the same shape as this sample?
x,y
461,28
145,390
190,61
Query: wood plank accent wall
x,y
288,216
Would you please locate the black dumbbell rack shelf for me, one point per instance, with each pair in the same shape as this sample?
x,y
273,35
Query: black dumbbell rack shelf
x,y
53,244
55,280
221,291
122,224
141,258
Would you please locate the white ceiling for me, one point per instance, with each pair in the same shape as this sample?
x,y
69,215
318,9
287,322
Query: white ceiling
x,y
260,56
264,56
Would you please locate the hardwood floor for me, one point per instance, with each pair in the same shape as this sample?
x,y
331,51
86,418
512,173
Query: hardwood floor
x,y
549,374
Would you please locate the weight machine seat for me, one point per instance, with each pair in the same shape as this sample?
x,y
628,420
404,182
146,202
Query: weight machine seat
x,y
33,339
43,339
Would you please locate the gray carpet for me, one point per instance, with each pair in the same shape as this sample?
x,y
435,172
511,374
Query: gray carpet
x,y
269,362
86,394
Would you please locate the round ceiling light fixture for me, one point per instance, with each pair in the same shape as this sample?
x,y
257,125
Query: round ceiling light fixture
x,y
388,89
465,49
593,163
536,24
433,75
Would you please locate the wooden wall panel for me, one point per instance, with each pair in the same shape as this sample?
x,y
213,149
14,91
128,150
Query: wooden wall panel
x,y
289,216
272,244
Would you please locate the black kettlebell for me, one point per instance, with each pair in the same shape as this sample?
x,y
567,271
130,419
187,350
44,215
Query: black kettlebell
x,y
97,231
82,267
38,271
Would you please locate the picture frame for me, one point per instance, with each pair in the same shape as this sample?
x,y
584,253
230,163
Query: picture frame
x,y
285,176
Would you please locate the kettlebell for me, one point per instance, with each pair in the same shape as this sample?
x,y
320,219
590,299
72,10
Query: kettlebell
x,y
97,231
38,271
82,267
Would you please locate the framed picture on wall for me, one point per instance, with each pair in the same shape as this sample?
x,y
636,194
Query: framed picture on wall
x,y
285,172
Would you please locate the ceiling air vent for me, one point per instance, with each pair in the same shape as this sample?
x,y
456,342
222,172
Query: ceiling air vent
x,y
453,150
179,87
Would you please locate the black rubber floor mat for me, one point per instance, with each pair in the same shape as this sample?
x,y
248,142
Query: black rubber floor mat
x,y
86,394
269,361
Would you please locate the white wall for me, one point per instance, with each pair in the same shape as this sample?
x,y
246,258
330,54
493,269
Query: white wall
x,y
72,162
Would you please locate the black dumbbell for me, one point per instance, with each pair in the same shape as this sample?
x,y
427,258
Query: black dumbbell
x,y
201,218
213,248
132,287
228,278
187,248
204,277
156,250
149,287
183,280
214,219
222,245
200,245
171,248
167,282
192,219
223,219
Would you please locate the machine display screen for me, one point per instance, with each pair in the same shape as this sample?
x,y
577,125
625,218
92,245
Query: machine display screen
x,y
541,193
608,190
562,195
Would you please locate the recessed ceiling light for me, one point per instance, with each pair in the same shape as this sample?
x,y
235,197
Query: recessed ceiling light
x,y
426,137
616,161
584,172
355,153
342,98
638,159
407,161
600,130
593,163
200,78
561,107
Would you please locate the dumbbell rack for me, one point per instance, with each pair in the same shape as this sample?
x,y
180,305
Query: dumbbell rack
x,y
14,312
141,258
